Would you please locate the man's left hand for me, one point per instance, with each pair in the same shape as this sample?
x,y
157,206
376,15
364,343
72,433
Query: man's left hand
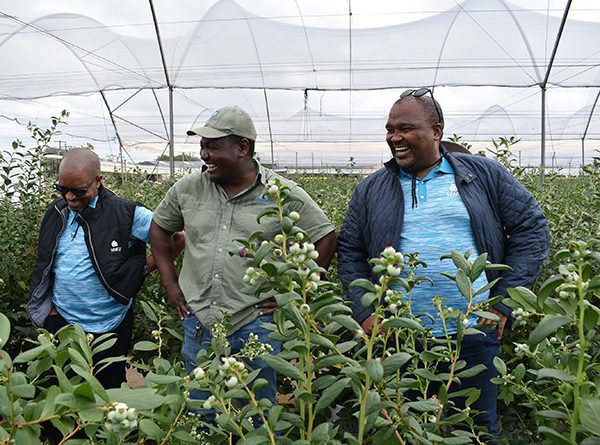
x,y
498,324
266,307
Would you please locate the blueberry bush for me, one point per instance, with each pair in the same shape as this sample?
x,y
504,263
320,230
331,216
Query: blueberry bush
x,y
337,385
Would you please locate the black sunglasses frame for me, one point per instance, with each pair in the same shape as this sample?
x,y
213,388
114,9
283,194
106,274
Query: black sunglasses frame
x,y
422,92
80,193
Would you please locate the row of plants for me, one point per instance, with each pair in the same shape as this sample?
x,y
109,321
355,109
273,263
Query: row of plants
x,y
337,385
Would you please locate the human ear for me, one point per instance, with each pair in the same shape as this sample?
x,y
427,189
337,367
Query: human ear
x,y
244,147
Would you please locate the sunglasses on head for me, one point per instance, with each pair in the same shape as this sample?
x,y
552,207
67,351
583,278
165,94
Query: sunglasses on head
x,y
422,92
80,193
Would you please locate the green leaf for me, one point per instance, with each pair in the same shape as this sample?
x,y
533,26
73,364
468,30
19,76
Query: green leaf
x,y
430,356
322,341
500,365
151,429
548,287
423,405
526,299
4,330
590,414
139,398
463,284
460,261
394,362
148,311
331,393
320,433
375,369
283,367
184,436
478,266
519,372
286,298
552,414
551,373
160,379
427,375
554,434
78,359
471,372
547,326
346,321
32,354
262,252
368,299
486,288
287,225
253,440
267,211
403,322
24,391
363,283
145,345
329,361
85,390
594,283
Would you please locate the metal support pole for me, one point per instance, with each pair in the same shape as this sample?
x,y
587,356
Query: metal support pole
x,y
543,153
112,119
171,134
166,71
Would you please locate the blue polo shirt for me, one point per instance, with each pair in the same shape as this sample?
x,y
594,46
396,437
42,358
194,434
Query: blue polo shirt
x,y
438,224
78,294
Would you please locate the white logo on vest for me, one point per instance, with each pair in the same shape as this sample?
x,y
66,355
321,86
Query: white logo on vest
x,y
115,247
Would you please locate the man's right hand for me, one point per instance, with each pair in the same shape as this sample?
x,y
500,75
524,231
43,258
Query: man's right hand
x,y
179,302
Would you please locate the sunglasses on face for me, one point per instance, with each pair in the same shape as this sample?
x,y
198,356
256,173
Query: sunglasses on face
x,y
422,92
80,193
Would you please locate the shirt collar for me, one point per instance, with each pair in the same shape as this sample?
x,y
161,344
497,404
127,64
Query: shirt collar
x,y
94,202
443,167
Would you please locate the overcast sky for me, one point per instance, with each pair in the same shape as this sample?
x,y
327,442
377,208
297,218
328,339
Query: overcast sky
x,y
464,107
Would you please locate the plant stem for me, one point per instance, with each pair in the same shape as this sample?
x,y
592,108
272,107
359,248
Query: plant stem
x,y
174,423
581,358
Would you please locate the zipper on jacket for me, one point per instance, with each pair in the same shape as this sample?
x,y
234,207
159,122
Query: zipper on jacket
x,y
460,186
45,271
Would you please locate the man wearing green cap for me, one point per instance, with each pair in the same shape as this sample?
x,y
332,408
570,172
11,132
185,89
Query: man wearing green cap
x,y
215,207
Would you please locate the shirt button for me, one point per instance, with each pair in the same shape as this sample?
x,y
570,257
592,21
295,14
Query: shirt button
x,y
217,275
224,227
220,249
215,303
228,203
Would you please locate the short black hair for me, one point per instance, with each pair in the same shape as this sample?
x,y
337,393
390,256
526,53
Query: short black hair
x,y
237,139
428,105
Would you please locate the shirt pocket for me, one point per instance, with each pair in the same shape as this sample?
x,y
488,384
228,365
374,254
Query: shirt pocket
x,y
200,225
245,223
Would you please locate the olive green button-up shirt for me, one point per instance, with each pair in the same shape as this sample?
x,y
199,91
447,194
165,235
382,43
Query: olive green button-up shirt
x,y
210,278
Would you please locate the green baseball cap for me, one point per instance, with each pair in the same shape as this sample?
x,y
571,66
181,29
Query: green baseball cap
x,y
225,122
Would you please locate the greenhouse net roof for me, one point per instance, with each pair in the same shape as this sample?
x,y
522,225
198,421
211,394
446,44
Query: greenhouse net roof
x,y
309,72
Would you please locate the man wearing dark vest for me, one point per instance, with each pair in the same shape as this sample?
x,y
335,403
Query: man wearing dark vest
x,y
91,259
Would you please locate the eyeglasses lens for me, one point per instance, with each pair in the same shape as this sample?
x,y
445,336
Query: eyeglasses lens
x,y
64,190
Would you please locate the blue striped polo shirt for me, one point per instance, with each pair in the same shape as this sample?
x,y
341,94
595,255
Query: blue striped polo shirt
x,y
78,294
438,224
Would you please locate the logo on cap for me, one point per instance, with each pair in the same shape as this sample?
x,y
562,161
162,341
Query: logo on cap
x,y
213,117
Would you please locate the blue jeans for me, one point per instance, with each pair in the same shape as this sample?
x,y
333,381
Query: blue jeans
x,y
476,349
481,349
197,338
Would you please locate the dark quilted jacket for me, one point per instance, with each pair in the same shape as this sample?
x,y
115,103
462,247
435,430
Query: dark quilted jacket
x,y
506,219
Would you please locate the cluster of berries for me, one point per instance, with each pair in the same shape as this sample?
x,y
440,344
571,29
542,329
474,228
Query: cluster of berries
x,y
120,418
